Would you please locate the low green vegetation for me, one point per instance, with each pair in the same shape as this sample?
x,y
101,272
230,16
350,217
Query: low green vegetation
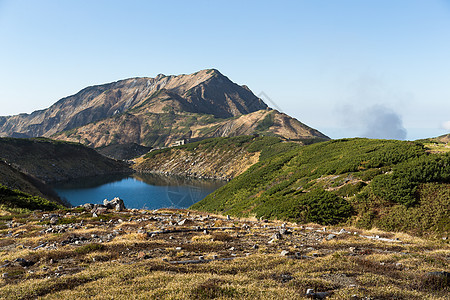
x,y
15,199
353,181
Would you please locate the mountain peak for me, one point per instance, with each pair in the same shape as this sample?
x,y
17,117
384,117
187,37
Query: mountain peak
x,y
150,112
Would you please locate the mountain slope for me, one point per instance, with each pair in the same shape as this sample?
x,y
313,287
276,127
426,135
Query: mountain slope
x,y
393,185
217,158
162,129
157,112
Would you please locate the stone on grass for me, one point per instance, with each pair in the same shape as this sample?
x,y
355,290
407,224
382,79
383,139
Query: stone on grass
x,y
331,236
115,203
276,236
54,220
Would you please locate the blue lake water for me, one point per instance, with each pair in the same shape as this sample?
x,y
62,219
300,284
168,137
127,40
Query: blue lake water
x,y
146,191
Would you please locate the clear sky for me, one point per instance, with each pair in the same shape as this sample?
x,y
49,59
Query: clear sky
x,y
374,68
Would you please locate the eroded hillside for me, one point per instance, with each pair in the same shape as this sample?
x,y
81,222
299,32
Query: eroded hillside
x,y
215,158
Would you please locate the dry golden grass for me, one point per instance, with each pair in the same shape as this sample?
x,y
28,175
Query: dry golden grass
x,y
131,265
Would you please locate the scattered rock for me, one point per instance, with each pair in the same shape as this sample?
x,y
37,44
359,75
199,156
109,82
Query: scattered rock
x,y
283,278
276,236
182,222
331,236
23,262
88,206
284,253
440,276
54,220
316,295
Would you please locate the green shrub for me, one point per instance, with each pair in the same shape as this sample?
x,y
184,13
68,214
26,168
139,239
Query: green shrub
x,y
16,199
401,185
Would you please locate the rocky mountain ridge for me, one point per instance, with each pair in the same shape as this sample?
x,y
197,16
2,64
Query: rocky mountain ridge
x,y
223,99
157,112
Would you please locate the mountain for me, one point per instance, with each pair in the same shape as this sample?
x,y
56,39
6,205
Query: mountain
x,y
157,112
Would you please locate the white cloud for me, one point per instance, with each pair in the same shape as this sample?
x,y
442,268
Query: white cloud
x,y
446,125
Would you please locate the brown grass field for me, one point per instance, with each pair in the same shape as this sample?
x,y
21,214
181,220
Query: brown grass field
x,y
180,254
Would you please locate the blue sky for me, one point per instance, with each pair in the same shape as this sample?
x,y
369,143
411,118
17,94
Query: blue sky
x,y
370,68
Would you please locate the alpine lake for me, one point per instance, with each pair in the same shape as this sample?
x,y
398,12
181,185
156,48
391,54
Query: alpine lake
x,y
138,190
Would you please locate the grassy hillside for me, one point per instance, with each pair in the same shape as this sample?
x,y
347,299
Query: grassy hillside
x,y
394,185
51,160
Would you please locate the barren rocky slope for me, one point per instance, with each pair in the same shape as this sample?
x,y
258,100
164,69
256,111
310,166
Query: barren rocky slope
x,y
214,164
215,158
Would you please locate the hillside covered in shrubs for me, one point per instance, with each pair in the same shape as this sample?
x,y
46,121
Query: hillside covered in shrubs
x,y
393,185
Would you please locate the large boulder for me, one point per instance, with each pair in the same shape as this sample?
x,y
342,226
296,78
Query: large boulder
x,y
115,203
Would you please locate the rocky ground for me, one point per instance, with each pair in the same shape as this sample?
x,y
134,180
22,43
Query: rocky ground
x,y
102,253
